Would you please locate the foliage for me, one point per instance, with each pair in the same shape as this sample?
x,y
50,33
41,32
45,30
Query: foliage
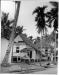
x,y
40,18
53,15
19,29
6,27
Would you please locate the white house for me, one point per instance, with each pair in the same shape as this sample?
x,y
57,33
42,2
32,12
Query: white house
x,y
20,49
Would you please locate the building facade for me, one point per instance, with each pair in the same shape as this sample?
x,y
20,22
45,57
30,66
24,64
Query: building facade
x,y
21,50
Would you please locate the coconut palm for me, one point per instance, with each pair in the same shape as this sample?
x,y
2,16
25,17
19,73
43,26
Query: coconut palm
x,y
53,17
19,29
31,38
40,19
5,60
5,26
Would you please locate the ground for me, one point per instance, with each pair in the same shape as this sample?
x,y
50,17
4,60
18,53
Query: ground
x,y
34,68
48,71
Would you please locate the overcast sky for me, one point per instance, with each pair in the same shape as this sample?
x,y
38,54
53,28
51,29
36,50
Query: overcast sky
x,y
25,14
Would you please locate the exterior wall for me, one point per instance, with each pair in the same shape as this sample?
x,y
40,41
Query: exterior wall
x,y
18,43
21,46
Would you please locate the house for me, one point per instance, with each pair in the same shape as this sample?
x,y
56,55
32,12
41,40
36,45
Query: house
x,y
23,48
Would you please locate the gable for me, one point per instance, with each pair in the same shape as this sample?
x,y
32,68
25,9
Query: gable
x,y
18,38
18,41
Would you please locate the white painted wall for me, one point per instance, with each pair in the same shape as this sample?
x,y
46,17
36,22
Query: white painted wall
x,y
21,46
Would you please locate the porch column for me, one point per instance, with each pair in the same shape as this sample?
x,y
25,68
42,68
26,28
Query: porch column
x,y
34,54
51,57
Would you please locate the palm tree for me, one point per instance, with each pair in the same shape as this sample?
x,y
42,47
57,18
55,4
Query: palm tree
x,y
37,40
40,19
31,38
19,29
53,17
5,26
5,60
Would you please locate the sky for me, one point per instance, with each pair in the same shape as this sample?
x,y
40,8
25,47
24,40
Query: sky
x,y
26,18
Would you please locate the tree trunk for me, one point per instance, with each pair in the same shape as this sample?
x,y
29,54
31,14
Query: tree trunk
x,y
41,49
55,49
5,60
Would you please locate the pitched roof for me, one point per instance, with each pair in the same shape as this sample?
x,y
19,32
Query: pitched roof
x,y
27,49
29,42
18,38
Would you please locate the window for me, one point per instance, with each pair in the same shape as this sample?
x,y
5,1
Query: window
x,y
18,58
18,41
17,49
15,59
30,54
46,51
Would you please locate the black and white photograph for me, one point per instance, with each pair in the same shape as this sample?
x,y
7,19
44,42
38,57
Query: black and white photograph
x,y
29,37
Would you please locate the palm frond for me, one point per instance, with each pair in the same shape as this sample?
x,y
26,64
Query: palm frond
x,y
36,10
19,29
55,4
55,24
40,18
44,7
